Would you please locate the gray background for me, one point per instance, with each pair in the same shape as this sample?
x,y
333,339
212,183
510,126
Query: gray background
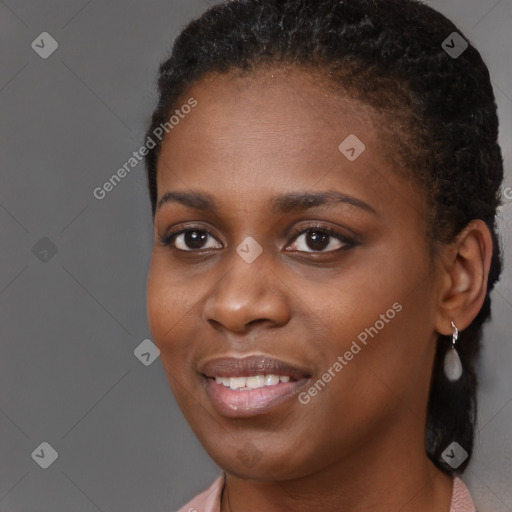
x,y
70,321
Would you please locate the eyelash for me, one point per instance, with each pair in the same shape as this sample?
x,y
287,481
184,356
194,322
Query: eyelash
x,y
349,243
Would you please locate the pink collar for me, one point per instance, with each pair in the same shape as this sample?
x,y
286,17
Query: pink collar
x,y
209,500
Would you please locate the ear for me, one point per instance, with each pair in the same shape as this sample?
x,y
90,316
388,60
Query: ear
x,y
464,268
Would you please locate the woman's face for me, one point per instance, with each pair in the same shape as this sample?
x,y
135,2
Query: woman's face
x,y
296,332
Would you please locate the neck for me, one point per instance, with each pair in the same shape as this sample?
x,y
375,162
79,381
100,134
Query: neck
x,y
390,476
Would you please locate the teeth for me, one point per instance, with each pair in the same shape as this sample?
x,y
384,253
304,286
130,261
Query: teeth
x,y
258,381
237,382
271,380
252,382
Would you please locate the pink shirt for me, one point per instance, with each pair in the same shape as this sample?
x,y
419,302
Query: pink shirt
x,y
209,500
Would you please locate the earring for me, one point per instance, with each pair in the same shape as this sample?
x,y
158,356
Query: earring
x,y
452,364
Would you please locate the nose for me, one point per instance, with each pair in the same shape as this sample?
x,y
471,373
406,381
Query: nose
x,y
247,294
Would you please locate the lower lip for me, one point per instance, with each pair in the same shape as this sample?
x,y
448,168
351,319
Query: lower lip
x,y
245,403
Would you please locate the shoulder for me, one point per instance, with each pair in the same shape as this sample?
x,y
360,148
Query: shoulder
x,y
208,500
461,498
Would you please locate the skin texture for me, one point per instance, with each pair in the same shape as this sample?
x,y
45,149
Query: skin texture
x,y
359,443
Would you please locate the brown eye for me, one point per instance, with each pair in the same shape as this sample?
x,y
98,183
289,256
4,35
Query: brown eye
x,y
317,239
191,239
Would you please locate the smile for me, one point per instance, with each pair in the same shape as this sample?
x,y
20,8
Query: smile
x,y
252,382
250,386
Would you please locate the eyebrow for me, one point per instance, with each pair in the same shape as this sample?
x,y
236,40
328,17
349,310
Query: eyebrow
x,y
284,203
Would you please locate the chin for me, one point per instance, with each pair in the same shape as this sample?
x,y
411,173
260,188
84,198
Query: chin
x,y
248,462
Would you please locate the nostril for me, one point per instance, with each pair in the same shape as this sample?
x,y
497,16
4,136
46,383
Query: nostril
x,y
258,320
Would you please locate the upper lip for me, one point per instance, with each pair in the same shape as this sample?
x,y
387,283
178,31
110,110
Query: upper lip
x,y
250,365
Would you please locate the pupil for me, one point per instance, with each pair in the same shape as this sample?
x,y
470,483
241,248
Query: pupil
x,y
195,239
318,239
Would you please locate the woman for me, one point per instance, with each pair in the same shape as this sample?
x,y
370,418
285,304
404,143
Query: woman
x,y
324,190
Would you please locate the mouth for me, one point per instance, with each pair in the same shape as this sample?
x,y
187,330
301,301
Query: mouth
x,y
250,386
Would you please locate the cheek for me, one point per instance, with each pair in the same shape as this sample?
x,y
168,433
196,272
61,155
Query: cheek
x,y
168,309
386,355
350,306
379,323
169,297
167,319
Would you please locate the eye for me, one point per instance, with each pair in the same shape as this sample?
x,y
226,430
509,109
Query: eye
x,y
318,238
193,237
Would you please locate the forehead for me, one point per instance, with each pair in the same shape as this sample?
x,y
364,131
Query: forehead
x,y
271,114
273,101
254,134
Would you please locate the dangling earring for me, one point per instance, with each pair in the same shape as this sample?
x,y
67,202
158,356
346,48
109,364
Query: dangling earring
x,y
452,364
